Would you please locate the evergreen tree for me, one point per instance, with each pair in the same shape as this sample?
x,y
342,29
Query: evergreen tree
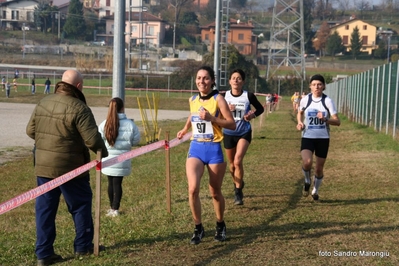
x,y
237,60
189,18
334,44
44,16
210,13
75,25
91,22
381,51
356,43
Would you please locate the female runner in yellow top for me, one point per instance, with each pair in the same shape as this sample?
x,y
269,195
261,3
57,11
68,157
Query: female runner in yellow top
x,y
209,113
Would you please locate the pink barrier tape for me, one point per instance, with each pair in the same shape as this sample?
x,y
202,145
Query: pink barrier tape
x,y
145,149
176,141
134,153
40,190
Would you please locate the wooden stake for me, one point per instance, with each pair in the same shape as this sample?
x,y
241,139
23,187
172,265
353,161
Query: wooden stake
x,y
167,168
96,239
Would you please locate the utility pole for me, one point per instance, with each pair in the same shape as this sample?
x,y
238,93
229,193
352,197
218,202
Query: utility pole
x,y
23,47
216,58
118,76
389,47
59,25
174,36
174,31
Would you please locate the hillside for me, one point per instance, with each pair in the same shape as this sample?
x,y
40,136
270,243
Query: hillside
x,y
99,56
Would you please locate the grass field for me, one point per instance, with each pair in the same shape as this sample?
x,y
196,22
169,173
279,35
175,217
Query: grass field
x,y
354,223
166,101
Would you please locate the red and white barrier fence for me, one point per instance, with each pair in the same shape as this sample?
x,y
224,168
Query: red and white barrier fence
x,y
56,182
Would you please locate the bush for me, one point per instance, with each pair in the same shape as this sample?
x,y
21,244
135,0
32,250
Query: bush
x,y
395,57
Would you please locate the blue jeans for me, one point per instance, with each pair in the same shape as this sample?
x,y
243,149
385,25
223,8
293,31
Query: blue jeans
x,y
78,197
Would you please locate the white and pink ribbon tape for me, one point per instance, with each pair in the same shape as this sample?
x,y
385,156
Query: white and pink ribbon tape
x,y
56,182
40,190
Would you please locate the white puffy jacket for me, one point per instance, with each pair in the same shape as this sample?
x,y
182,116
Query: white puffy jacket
x,y
128,136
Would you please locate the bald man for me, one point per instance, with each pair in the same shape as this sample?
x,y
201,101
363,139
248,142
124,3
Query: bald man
x,y
74,78
64,129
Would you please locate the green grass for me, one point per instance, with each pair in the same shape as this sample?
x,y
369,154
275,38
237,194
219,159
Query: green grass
x,y
94,97
358,208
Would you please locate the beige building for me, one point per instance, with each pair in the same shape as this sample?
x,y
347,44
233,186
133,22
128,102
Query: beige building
x,y
368,34
144,28
14,14
107,7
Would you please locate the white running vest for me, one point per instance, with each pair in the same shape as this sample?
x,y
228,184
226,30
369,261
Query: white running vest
x,y
315,128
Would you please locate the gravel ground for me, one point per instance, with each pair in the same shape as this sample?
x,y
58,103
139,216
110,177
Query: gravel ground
x,y
15,116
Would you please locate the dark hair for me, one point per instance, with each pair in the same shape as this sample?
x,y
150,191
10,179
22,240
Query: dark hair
x,y
239,71
111,127
211,73
317,77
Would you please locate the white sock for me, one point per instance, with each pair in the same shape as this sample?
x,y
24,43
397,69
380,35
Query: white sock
x,y
317,183
306,174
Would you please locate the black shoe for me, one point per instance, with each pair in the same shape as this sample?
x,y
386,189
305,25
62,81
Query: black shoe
x,y
238,196
88,252
220,234
243,184
305,191
197,236
315,196
49,260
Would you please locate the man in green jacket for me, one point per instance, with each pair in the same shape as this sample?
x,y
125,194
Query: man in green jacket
x,y
64,129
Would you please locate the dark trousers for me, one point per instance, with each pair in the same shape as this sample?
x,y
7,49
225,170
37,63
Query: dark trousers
x,y
47,89
78,197
115,191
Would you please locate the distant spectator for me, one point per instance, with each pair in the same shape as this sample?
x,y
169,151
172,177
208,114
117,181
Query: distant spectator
x,y
273,102
16,74
33,86
8,89
3,83
14,81
275,99
268,106
47,84
295,99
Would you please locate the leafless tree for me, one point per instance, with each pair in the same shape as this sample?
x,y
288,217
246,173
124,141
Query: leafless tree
x,y
343,6
264,5
362,5
323,10
177,5
321,39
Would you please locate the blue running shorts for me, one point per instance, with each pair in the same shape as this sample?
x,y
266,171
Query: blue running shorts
x,y
207,152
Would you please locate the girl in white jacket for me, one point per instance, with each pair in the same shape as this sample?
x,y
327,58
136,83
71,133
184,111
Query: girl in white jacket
x,y
119,134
